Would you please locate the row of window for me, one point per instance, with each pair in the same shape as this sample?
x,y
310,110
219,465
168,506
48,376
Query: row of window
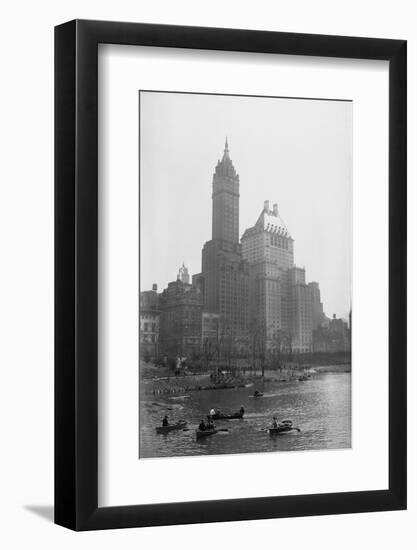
x,y
148,339
278,241
149,327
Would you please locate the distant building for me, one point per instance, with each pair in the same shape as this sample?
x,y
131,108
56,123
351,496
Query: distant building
x,y
180,319
268,249
333,336
149,324
210,327
280,301
318,313
183,274
301,316
224,275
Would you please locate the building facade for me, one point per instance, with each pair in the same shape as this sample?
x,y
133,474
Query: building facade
x,y
180,320
333,336
280,301
301,312
149,315
210,327
224,275
183,274
268,249
318,313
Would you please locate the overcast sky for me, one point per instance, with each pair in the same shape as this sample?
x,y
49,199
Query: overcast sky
x,y
295,152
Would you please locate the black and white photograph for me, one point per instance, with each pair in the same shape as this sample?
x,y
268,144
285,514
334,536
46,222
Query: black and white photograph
x,y
245,274
209,266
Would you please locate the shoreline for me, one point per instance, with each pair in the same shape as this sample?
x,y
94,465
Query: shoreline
x,y
171,385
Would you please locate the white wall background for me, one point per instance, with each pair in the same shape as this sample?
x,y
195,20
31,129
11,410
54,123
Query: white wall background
x,y
26,289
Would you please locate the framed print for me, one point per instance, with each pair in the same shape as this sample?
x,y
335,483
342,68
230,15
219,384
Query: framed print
x,y
230,255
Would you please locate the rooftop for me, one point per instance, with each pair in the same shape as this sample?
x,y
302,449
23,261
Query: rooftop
x,y
271,221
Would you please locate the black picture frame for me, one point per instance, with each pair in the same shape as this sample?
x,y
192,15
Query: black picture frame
x,y
76,273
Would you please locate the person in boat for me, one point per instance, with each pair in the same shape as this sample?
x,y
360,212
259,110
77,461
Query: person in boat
x,y
210,424
274,422
256,393
165,421
242,410
202,425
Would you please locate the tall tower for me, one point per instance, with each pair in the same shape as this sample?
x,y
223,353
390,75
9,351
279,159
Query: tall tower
x,y
183,274
224,274
269,250
280,301
225,226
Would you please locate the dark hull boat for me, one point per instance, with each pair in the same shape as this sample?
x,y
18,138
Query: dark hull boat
x,y
171,427
222,416
283,431
283,428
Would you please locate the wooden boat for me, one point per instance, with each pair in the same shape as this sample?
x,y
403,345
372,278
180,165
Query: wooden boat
x,y
284,427
171,427
205,433
225,416
283,431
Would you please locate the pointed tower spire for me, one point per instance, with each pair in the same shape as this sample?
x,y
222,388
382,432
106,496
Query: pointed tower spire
x,y
226,150
225,166
225,223
183,274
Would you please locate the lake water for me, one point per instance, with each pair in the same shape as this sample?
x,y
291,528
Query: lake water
x,y
320,407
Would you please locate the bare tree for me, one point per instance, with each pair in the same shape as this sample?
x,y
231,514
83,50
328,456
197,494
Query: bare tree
x,y
258,339
278,338
209,351
225,343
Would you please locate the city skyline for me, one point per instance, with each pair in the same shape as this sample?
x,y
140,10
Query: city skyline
x,y
184,229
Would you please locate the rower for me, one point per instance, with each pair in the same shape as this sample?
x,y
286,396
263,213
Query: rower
x,y
242,410
274,422
202,426
165,421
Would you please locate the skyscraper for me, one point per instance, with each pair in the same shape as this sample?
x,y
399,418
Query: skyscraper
x,y
268,249
224,274
225,213
183,274
318,313
280,301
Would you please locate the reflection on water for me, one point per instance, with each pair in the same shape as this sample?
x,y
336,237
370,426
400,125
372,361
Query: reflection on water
x,y
321,407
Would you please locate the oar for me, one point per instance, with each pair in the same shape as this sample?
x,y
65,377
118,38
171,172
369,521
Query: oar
x,y
219,430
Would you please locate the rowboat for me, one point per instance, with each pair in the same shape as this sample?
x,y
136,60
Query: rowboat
x,y
171,427
205,433
224,416
283,431
284,427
